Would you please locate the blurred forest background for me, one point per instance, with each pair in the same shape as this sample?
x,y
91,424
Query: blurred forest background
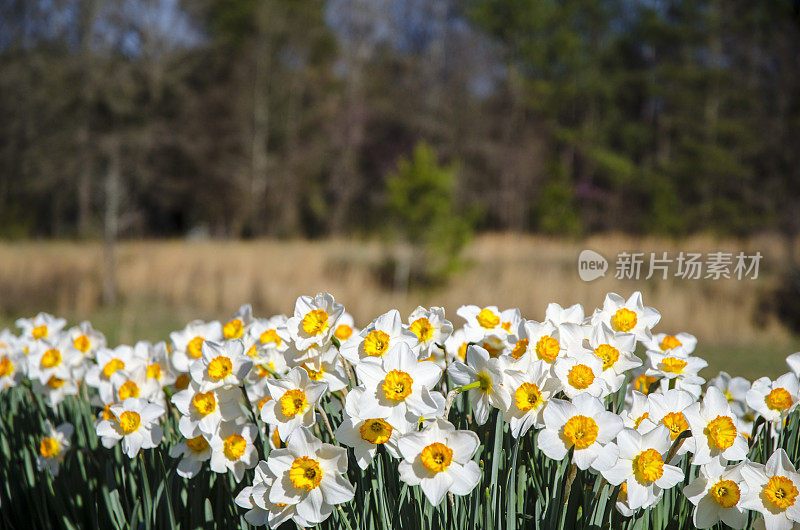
x,y
415,122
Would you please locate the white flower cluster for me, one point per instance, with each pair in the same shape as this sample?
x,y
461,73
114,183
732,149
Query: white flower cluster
x,y
394,382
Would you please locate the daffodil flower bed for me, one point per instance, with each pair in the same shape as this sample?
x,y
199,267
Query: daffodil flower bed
x,y
573,422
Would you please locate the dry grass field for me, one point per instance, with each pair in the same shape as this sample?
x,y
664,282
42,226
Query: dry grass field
x,y
163,284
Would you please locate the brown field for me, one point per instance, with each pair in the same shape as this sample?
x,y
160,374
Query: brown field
x,y
163,284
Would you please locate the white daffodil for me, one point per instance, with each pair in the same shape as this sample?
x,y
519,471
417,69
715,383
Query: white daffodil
x,y
222,364
309,476
375,340
485,376
715,429
293,402
397,386
109,365
774,400
773,491
716,494
640,465
314,321
328,368
793,362
12,368
636,415
50,358
53,446
628,316
42,326
456,345
85,339
135,422
55,389
236,327
268,335
484,321
735,390
585,425
345,327
431,329
581,373
616,350
232,448
202,412
667,409
439,460
260,510
136,384
545,342
187,344
365,435
664,342
564,315
530,391
670,365
192,452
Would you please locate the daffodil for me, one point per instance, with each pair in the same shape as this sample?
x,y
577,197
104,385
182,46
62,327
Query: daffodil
x,y
260,510
439,460
482,322
187,344
581,373
314,321
202,412
327,368
12,367
774,400
735,390
55,389
232,448
456,346
675,364
192,453
641,467
616,350
715,429
773,491
667,409
664,342
267,339
378,338
627,316
136,384
50,358
636,414
111,366
365,435
583,425
222,364
135,422
309,476
53,446
237,326
564,315
42,326
544,343
530,391
294,398
717,493
485,377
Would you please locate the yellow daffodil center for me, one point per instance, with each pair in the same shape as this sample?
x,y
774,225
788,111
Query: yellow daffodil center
x,y
721,432
128,389
397,385
648,466
343,332
129,421
305,473
6,367
779,399
487,319
112,366
204,403
375,431
39,332
55,382
422,328
234,446
314,375
494,346
669,342
220,367
293,402
51,358
106,413
640,419
580,376
436,457
182,382
195,347
624,320
376,343
673,365
270,336
485,381
520,348
262,401
780,491
198,444
154,371
49,447
580,431
233,329
608,354
506,326
528,397
82,343
726,493
676,423
315,322
275,437
547,348
643,382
